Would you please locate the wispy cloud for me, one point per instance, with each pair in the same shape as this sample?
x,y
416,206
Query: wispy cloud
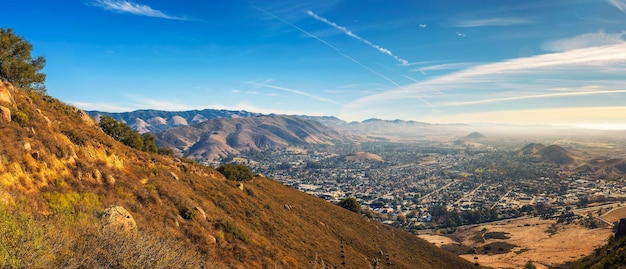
x,y
291,91
603,117
619,4
584,41
355,36
494,22
448,66
330,46
573,74
124,6
534,96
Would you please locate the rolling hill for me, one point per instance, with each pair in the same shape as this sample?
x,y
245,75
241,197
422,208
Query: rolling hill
x,y
218,138
63,182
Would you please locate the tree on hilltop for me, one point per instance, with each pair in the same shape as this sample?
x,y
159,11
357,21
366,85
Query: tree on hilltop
x,y
16,63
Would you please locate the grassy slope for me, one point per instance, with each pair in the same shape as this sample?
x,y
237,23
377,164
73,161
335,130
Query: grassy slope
x,y
61,189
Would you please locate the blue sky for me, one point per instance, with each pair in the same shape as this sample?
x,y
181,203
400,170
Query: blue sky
x,y
491,61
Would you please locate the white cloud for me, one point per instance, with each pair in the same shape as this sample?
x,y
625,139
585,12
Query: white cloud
x,y
560,77
494,22
619,4
355,36
124,6
584,41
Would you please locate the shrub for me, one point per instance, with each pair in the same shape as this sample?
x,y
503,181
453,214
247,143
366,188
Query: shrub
x,y
20,117
351,204
232,229
236,172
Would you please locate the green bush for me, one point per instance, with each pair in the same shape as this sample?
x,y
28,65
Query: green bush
x,y
351,204
20,117
236,172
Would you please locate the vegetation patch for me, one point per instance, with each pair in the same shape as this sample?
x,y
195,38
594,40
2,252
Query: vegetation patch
x,y
496,248
232,229
497,235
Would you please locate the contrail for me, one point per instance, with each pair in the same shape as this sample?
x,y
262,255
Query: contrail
x,y
355,36
329,45
291,91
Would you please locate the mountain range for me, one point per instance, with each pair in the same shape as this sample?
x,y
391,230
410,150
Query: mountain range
x,y
217,138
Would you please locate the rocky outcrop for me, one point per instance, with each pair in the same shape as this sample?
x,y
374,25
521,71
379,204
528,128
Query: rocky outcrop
x,y
117,219
5,92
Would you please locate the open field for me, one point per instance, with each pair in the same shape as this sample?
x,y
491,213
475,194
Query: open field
x,y
541,241
615,214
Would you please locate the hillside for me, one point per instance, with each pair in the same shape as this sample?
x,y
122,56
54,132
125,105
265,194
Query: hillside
x,y
59,173
218,138
553,154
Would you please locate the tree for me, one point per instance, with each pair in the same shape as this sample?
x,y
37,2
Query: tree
x,y
351,204
236,172
121,132
16,63
149,143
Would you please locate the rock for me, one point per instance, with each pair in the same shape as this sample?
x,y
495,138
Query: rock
x,y
174,176
211,239
5,113
201,211
117,219
110,180
240,186
97,176
27,146
5,92
35,155
85,117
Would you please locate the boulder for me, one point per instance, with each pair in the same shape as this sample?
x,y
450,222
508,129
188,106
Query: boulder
x,y
5,113
201,212
5,92
110,180
85,117
240,186
117,219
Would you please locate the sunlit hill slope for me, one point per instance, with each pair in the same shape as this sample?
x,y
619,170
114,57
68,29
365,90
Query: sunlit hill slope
x,y
59,173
